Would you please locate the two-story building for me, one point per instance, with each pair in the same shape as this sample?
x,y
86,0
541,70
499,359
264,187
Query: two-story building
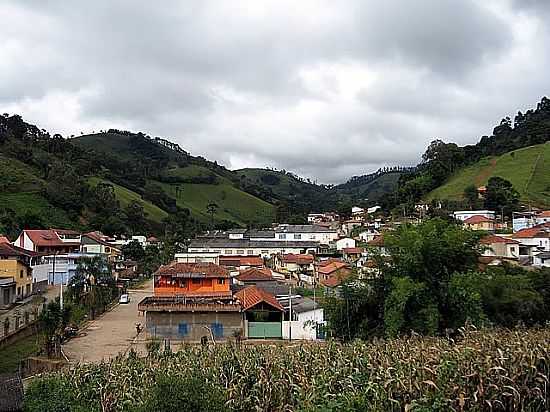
x,y
49,241
15,264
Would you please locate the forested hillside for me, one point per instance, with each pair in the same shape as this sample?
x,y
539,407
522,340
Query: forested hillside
x,y
447,168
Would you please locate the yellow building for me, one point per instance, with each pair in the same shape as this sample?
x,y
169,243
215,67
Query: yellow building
x,y
15,263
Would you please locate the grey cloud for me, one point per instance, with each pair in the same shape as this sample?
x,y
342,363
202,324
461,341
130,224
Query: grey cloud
x,y
229,79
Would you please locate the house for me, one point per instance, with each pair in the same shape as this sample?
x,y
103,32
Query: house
x,y
330,269
378,245
368,235
479,222
263,314
541,259
55,269
345,242
357,211
49,241
249,247
15,264
198,257
315,218
334,280
191,320
98,243
294,263
192,280
500,246
353,254
260,277
462,215
192,301
536,237
307,318
349,225
241,262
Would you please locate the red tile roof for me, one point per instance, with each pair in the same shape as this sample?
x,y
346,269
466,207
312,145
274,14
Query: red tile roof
x,y
99,238
48,237
331,267
477,219
298,259
353,250
4,239
542,230
255,274
251,296
490,239
209,270
336,280
544,213
241,261
7,249
377,241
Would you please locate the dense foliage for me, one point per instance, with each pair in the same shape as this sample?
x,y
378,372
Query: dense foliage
x,y
430,283
484,371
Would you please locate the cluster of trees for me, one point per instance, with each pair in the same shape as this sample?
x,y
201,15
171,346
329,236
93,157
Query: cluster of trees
x,y
432,284
442,159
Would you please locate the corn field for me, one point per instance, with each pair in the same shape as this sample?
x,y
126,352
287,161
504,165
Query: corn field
x,y
482,371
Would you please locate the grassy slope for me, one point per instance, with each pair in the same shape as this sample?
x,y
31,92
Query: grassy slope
x,y
517,168
283,189
11,355
21,191
234,204
126,196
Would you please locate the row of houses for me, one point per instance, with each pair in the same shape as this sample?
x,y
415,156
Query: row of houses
x,y
42,257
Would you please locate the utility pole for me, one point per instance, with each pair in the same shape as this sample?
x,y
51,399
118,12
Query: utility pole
x,y
289,312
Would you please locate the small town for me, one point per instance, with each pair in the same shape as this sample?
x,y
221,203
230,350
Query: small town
x,y
265,206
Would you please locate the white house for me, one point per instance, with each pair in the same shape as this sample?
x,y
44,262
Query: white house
x,y
345,243
369,234
537,237
542,259
307,317
355,210
542,217
462,215
500,246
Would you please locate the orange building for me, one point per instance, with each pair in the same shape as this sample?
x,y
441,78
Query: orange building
x,y
193,280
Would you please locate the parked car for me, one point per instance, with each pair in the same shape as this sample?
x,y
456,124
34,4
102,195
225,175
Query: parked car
x,y
125,298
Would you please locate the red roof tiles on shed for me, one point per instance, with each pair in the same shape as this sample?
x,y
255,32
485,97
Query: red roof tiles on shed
x,y
241,261
490,239
298,259
251,296
254,274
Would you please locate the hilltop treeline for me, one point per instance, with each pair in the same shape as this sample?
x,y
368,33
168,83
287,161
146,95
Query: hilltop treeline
x,y
442,159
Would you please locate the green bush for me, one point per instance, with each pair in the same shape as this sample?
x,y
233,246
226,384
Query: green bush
x,y
53,394
184,393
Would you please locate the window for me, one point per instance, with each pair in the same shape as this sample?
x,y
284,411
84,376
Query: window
x,y
312,237
21,274
221,281
196,281
265,252
217,251
183,329
297,236
228,252
240,252
250,252
282,236
217,329
107,250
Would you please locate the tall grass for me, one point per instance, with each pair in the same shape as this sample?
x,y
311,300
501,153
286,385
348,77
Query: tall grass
x,y
496,370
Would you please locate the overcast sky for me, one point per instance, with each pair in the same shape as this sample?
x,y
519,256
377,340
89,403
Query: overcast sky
x,y
327,89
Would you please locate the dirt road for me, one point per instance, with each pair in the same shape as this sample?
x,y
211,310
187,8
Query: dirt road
x,y
112,333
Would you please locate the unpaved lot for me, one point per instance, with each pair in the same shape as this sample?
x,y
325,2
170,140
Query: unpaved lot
x,y
112,333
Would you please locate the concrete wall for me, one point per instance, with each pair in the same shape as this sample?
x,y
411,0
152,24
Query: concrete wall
x,y
190,326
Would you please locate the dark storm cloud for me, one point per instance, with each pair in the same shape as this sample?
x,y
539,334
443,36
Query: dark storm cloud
x,y
321,88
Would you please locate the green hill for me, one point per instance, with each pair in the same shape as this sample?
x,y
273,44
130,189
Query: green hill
x,y
126,196
528,169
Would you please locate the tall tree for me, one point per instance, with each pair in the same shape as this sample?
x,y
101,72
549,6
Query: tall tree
x,y
501,196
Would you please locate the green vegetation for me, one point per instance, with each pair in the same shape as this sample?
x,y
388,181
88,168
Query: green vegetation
x,y
126,197
35,211
234,205
481,370
11,355
527,169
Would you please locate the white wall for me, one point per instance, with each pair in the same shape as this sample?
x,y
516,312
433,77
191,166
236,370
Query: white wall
x,y
466,214
298,327
345,243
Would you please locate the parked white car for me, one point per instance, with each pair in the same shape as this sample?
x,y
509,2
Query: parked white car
x,y
125,298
